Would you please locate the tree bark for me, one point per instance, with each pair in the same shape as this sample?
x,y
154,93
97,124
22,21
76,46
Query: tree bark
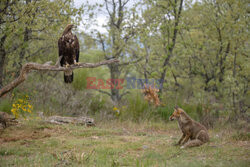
x,y
114,72
115,11
2,59
172,45
234,94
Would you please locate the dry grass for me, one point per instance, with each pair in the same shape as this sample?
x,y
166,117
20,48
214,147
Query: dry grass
x,y
34,143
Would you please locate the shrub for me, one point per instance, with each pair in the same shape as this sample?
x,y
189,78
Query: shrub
x,y
165,112
21,106
137,108
5,105
97,103
80,81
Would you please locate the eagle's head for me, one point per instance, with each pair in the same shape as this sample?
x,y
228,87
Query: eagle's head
x,y
68,28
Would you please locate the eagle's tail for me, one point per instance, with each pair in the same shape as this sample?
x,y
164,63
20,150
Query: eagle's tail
x,y
68,78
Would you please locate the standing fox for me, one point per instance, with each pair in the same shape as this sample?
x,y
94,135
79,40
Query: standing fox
x,y
191,129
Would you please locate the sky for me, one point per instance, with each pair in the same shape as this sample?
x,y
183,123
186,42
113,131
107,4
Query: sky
x,y
101,17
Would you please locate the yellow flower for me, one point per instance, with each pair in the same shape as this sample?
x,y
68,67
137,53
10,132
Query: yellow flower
x,y
13,110
30,106
117,112
14,113
21,106
115,108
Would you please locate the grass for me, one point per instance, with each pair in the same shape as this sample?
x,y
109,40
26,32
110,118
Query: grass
x,y
35,143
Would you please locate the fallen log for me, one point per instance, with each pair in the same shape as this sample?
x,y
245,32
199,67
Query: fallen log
x,y
70,120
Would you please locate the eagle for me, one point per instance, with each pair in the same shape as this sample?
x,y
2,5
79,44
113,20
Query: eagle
x,y
68,46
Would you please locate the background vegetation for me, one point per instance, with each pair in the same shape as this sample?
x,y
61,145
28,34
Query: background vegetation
x,y
199,50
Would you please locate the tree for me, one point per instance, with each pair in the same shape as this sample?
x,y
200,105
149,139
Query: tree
x,y
215,46
29,29
164,19
119,41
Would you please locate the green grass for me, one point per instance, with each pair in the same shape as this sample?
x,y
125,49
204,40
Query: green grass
x,y
35,143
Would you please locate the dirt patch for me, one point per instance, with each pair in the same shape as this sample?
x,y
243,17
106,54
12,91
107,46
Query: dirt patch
x,y
24,135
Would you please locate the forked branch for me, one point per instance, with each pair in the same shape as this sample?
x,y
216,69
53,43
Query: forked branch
x,y
47,67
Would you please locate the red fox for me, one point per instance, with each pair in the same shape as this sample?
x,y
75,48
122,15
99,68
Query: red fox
x,y
194,134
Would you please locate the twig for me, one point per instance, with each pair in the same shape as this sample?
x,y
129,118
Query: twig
x,y
104,92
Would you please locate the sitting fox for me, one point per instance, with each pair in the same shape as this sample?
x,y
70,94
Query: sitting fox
x,y
194,134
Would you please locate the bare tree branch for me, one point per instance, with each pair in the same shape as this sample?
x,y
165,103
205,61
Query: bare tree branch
x,y
103,44
46,67
104,92
123,94
130,62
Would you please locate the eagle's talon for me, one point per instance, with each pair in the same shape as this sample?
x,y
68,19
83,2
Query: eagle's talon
x,y
76,63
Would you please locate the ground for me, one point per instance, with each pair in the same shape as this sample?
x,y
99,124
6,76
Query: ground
x,y
35,143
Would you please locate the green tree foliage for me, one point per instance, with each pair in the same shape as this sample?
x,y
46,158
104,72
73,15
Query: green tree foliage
x,y
119,41
207,60
199,49
30,30
215,46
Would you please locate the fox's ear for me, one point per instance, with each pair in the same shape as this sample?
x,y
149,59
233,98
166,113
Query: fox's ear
x,y
176,107
179,110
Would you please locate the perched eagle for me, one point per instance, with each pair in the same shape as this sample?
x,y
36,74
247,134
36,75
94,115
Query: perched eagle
x,y
68,46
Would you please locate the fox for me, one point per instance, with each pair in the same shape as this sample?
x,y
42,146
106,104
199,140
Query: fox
x,y
193,133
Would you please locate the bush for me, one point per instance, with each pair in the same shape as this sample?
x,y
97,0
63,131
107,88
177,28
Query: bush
x,y
22,106
5,106
165,112
80,79
137,108
243,136
97,104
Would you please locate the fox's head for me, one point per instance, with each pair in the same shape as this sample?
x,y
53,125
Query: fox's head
x,y
176,114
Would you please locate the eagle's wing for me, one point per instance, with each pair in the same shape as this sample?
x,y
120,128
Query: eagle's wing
x,y
60,50
76,47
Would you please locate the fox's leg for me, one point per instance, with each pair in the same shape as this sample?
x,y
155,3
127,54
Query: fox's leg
x,y
182,137
192,143
186,139
203,136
